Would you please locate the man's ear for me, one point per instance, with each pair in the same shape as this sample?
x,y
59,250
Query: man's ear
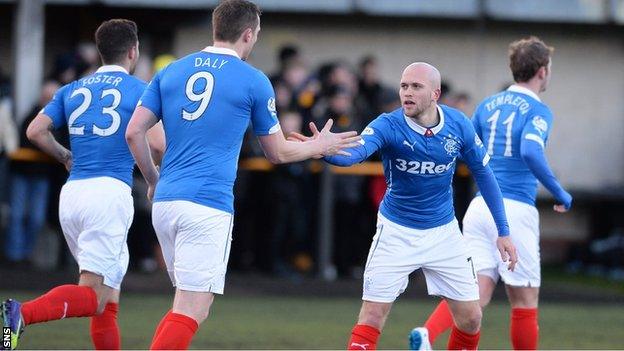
x,y
247,35
541,73
435,94
133,52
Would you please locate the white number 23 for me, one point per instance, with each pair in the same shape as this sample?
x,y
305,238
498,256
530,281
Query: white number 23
x,y
110,110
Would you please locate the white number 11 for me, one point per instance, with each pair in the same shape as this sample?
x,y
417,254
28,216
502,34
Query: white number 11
x,y
509,123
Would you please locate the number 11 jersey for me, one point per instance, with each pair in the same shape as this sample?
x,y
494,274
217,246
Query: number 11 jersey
x,y
504,121
206,101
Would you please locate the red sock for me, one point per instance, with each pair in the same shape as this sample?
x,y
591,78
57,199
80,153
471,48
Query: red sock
x,y
363,337
460,340
104,329
176,332
524,328
61,302
160,325
439,321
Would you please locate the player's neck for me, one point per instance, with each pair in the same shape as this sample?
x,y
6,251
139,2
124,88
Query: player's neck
x,y
429,118
227,45
124,65
533,85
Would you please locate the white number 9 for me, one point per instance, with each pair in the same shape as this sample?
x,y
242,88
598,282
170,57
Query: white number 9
x,y
203,97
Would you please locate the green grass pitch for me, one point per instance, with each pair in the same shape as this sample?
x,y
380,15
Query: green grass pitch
x,y
262,322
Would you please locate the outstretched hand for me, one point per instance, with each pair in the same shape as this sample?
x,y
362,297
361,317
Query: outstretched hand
x,y
332,143
294,136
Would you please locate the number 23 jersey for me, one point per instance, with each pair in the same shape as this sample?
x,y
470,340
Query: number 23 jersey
x,y
206,101
96,110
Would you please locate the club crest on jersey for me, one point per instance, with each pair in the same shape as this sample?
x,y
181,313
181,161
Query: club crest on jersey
x,y
271,106
451,145
368,131
540,124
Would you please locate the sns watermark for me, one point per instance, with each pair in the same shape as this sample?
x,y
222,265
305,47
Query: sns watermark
x,y
6,338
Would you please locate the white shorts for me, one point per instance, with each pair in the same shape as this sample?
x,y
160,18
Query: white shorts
x,y
397,251
195,241
95,215
481,233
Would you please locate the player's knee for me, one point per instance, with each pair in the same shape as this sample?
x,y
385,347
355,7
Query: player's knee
x,y
373,316
470,321
484,301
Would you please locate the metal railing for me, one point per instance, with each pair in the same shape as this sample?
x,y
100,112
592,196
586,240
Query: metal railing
x,y
325,229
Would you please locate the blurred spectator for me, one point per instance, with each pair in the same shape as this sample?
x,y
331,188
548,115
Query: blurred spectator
x,y
295,76
389,100
370,87
348,189
5,85
283,96
337,74
142,243
445,93
65,70
286,56
462,180
253,207
461,101
334,77
88,59
144,69
29,188
162,61
8,143
290,225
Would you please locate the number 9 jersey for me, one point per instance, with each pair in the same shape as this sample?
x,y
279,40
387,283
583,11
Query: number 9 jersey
x,y
206,101
96,110
504,121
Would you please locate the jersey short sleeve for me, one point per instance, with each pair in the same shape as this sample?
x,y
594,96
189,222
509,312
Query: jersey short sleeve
x,y
263,111
55,109
151,98
537,127
473,151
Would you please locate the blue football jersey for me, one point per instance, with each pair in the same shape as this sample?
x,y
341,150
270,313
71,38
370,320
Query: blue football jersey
x,y
419,164
206,101
503,121
96,110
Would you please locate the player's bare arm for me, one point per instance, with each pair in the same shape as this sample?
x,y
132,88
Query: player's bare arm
x,y
156,141
40,133
136,136
324,143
